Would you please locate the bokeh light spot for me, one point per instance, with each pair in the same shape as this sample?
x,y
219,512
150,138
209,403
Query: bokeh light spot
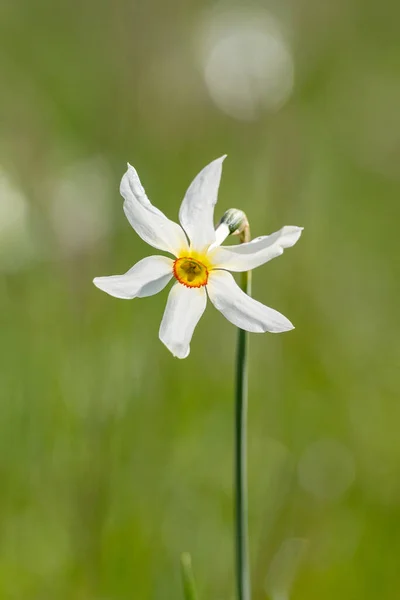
x,y
326,469
247,63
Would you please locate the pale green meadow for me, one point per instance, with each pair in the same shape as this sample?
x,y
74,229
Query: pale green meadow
x,y
116,457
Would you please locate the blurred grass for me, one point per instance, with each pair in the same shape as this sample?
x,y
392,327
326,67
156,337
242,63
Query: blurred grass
x,y
114,457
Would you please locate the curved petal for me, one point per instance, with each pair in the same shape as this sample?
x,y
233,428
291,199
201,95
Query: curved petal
x,y
182,313
149,222
240,309
148,277
245,257
197,209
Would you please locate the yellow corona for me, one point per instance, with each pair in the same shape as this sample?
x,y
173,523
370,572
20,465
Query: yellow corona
x,y
190,272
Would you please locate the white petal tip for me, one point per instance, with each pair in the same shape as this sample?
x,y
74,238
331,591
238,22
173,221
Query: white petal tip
x,y
293,228
131,169
283,328
177,352
101,284
290,235
104,284
220,159
181,357
281,324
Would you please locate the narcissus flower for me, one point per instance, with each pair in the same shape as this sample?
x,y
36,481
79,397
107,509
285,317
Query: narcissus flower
x,y
200,267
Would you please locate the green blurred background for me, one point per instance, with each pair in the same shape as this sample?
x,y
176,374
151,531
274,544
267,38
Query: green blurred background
x,y
114,456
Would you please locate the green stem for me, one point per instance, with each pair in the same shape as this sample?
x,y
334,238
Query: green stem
x,y
242,550
188,582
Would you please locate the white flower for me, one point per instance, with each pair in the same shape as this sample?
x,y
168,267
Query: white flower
x,y
200,267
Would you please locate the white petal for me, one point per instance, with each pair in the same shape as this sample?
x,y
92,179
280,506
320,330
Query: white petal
x,y
149,222
240,309
257,252
148,277
221,233
182,313
197,209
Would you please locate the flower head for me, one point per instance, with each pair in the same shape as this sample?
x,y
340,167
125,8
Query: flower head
x,y
200,267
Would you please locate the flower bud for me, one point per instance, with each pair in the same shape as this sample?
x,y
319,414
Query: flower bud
x,y
233,222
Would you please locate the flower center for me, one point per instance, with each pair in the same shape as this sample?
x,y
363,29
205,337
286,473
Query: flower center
x,y
190,272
